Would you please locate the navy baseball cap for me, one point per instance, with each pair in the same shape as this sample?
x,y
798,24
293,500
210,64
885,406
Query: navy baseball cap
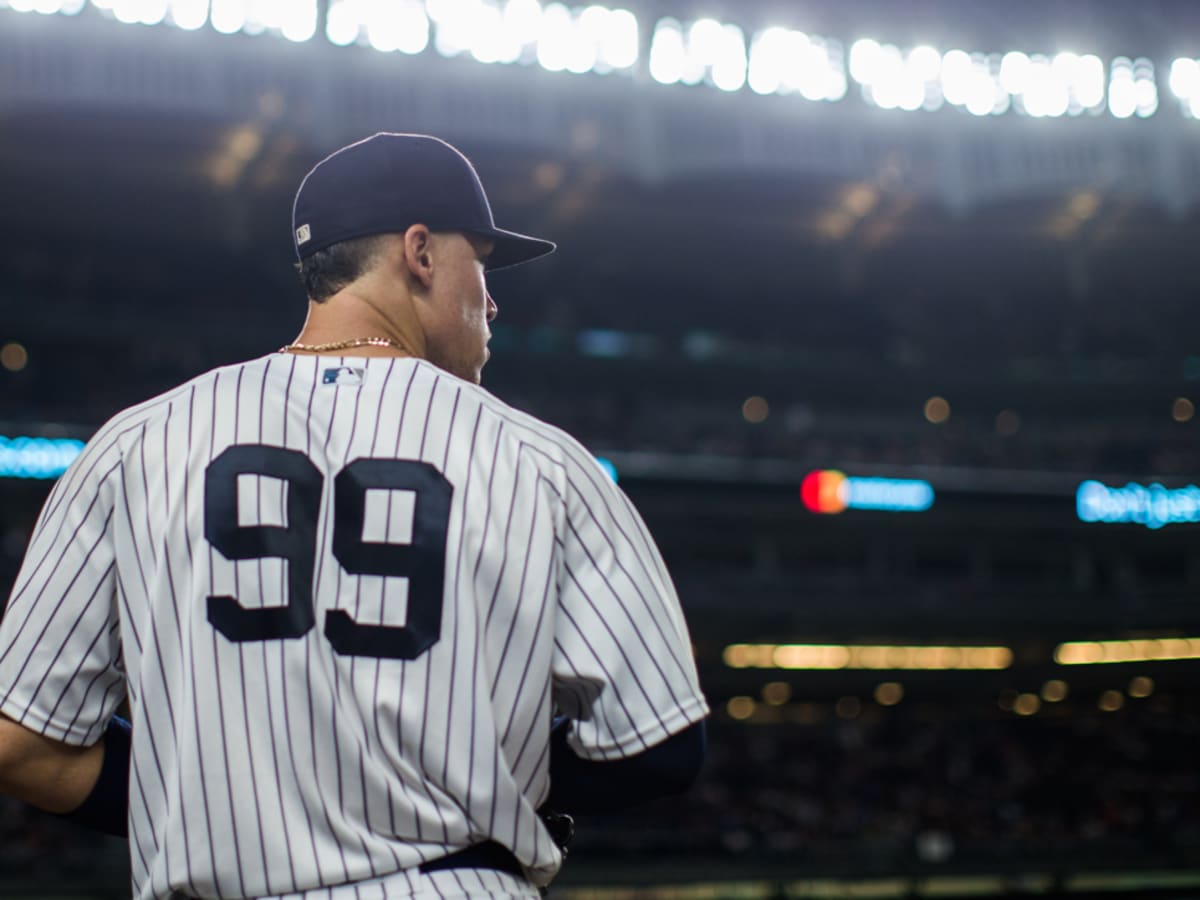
x,y
387,182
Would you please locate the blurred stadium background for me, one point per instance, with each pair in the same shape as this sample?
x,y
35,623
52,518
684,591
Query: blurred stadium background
x,y
883,314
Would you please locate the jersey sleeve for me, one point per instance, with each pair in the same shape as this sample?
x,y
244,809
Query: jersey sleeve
x,y
60,654
623,666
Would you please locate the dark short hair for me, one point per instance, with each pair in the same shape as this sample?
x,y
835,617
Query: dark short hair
x,y
327,271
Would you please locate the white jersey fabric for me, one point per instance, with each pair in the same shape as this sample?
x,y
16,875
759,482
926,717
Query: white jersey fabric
x,y
340,669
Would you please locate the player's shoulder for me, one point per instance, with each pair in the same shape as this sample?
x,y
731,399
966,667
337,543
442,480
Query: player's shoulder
x,y
528,429
126,425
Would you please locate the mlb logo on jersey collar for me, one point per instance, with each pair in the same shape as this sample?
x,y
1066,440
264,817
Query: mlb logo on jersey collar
x,y
342,375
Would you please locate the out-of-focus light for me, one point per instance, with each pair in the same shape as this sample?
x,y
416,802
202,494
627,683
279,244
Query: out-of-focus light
x,y
1089,83
14,356
728,69
342,22
582,55
784,62
457,24
228,16
399,26
956,76
523,20
146,12
1008,422
1047,93
755,410
740,708
924,62
36,457
1182,410
937,410
1054,691
824,491
1026,704
555,38
299,20
1122,92
667,53
1184,78
776,693
981,92
1083,653
830,491
1153,506
865,57
1141,687
618,45
489,41
1014,72
609,468
189,14
889,693
1111,701
866,656
848,707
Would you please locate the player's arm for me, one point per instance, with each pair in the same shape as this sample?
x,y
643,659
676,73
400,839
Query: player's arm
x,y
624,674
61,671
89,785
43,772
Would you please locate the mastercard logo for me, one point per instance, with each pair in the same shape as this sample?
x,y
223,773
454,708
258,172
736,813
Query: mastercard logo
x,y
825,491
830,491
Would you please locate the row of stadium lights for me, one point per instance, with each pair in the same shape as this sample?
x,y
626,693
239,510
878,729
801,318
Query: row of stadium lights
x,y
778,694
929,658
773,61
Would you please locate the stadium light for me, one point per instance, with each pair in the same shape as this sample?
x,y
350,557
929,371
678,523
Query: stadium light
x,y
228,16
557,43
1185,85
667,52
784,62
866,656
1085,653
189,15
402,27
707,50
776,60
1184,82
1131,88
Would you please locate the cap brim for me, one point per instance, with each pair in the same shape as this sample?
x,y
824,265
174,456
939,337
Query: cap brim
x,y
512,248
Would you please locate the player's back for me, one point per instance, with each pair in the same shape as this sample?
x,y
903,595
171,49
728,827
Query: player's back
x,y
336,585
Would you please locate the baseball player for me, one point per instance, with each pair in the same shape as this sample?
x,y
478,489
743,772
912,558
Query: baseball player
x,y
345,592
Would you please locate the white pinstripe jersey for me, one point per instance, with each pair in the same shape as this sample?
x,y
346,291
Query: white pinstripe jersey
x,y
344,597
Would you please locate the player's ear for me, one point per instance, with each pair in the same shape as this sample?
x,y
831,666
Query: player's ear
x,y
418,253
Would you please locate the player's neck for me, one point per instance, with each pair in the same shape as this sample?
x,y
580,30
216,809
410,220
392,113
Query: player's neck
x,y
347,317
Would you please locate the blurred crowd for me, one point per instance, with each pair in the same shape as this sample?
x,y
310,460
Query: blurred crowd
x,y
902,791
892,793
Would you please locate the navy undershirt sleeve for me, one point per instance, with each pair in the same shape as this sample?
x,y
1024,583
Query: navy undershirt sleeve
x,y
107,806
581,785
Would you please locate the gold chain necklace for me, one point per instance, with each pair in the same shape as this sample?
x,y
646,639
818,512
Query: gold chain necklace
x,y
345,345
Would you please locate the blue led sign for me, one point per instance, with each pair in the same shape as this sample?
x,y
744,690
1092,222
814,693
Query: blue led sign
x,y
36,457
1153,506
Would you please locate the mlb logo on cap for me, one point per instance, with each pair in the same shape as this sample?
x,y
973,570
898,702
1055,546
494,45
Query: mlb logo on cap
x,y
303,234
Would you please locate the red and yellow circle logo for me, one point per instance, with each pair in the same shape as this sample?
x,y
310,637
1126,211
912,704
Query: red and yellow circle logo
x,y
825,491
